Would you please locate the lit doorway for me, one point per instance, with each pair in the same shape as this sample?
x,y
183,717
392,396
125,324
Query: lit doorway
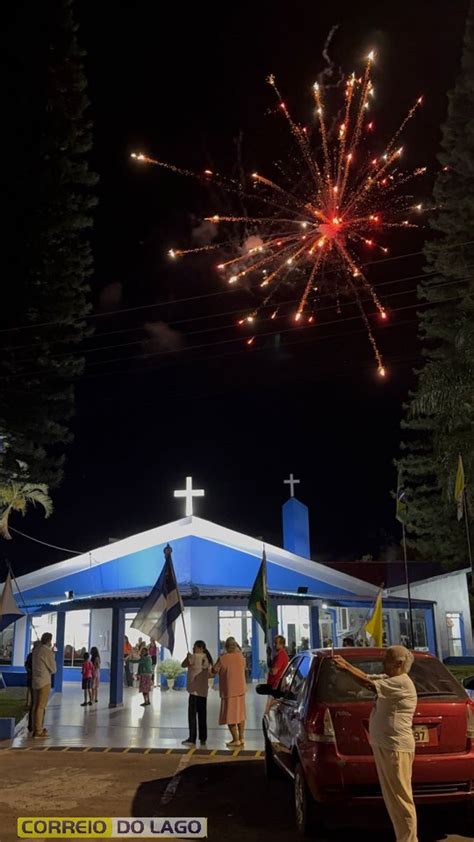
x,y
237,624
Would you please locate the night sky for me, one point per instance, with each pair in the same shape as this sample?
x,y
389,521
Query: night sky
x,y
182,83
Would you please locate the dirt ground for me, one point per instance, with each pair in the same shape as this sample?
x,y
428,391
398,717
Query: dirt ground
x,y
232,793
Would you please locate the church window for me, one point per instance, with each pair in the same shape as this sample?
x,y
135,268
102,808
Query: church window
x,y
76,637
6,645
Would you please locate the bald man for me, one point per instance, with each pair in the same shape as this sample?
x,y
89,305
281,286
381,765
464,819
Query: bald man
x,y
391,735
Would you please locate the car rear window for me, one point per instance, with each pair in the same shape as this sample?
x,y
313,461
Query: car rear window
x,y
430,677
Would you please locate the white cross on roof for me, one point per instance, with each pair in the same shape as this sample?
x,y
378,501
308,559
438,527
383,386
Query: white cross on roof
x,y
291,482
188,493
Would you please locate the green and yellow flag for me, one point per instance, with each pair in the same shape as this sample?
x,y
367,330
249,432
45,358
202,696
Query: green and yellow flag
x,y
374,626
459,488
260,606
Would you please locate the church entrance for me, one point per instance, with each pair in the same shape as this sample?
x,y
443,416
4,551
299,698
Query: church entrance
x,y
237,624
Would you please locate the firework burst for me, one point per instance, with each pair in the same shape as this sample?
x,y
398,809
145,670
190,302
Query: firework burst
x,y
315,231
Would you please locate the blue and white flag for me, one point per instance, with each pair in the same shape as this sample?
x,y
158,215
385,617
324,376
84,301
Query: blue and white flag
x,y
157,616
9,611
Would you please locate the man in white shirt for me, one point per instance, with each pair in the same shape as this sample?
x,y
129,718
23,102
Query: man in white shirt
x,y
391,735
43,666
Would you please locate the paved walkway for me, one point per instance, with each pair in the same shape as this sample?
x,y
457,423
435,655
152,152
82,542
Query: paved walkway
x,y
233,793
161,725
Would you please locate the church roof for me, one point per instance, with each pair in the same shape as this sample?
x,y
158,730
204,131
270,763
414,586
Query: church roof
x,y
204,554
391,574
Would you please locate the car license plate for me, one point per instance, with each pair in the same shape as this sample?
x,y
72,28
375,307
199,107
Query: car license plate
x,y
421,734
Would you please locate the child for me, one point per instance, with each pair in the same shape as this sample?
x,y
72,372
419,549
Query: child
x,y
95,660
198,664
145,673
87,672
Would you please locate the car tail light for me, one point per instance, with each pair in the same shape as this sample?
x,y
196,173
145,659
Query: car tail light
x,y
326,734
470,721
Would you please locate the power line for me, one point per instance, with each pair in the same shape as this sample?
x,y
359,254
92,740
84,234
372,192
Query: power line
x,y
82,352
196,297
45,543
145,356
260,335
209,316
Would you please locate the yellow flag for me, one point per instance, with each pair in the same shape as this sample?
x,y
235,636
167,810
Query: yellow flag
x,y
374,626
459,488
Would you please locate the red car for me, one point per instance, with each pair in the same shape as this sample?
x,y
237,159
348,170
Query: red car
x,y
317,732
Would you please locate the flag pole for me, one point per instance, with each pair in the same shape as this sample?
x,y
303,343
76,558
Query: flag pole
x,y
185,632
468,530
407,580
267,598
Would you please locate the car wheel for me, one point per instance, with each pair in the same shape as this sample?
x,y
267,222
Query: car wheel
x,y
271,769
308,815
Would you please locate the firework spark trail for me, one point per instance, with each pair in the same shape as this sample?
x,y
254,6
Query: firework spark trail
x,y
320,220
300,138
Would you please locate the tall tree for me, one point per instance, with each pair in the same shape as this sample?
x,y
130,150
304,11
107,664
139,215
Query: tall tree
x,y
439,420
49,197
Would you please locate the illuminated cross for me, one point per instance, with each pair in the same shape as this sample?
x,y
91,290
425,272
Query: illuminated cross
x,y
188,493
291,482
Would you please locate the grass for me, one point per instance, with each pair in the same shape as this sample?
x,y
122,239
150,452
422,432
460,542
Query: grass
x,y
465,671
12,702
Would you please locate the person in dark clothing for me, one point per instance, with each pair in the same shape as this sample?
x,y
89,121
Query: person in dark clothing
x,y
29,687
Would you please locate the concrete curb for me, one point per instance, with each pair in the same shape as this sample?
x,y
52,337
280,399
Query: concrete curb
x,y
7,727
198,752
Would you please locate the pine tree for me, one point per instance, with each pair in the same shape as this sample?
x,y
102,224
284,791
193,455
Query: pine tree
x,y
49,197
439,420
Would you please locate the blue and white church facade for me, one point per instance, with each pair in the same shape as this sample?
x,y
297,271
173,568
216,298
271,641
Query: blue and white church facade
x,y
92,599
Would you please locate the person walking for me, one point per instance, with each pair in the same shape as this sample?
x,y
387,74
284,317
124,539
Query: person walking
x,y
144,675
198,665
95,661
230,668
278,665
43,666
391,735
87,671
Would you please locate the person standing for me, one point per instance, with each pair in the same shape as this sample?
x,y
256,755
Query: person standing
x,y
279,662
153,653
43,666
95,661
230,668
198,665
144,675
391,735
87,671
127,654
29,686
278,665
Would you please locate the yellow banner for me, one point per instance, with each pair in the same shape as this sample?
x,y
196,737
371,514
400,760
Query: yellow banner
x,y
65,827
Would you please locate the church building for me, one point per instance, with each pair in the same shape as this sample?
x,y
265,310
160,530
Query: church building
x,y
92,599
